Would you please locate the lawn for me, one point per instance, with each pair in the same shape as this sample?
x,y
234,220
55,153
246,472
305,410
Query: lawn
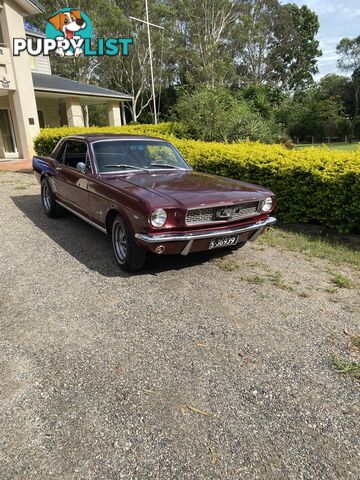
x,y
333,146
336,252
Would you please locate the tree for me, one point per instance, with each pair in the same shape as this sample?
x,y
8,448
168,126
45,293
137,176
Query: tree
x,y
349,61
276,44
217,115
312,115
201,41
297,48
131,74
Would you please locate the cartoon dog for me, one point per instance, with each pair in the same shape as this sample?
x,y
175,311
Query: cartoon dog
x,y
68,23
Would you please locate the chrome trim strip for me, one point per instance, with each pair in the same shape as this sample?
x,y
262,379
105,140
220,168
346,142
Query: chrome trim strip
x,y
103,230
184,237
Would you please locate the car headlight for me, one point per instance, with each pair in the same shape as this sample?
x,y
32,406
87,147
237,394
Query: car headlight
x,y
267,204
158,218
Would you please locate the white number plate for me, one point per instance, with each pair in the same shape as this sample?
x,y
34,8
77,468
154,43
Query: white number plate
x,y
223,242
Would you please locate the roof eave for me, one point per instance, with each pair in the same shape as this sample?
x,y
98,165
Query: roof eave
x,y
30,7
37,5
83,94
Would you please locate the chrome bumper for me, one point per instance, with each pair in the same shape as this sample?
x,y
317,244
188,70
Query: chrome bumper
x,y
185,237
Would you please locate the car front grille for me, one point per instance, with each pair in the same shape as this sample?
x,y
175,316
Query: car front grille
x,y
223,213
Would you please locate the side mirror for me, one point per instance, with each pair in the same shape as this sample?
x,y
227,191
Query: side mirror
x,y
81,166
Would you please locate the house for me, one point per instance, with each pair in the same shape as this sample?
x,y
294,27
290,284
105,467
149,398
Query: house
x,y
31,97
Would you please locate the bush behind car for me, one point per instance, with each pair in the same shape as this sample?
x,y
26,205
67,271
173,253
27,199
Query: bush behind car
x,y
312,185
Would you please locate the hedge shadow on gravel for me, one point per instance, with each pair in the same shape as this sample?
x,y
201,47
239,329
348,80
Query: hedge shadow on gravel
x,y
92,248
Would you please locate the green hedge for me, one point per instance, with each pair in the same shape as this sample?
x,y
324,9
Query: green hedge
x,y
313,185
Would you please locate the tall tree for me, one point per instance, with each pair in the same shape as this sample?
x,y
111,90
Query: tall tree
x,y
349,61
131,74
202,40
276,44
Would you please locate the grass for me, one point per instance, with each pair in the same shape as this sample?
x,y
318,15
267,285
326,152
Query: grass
x,y
341,281
312,247
349,147
255,280
331,290
278,280
225,264
347,367
355,339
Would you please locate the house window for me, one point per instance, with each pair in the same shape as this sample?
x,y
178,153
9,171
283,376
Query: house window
x,y
41,119
1,35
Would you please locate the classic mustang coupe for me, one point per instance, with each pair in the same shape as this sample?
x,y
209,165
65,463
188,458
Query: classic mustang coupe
x,y
142,192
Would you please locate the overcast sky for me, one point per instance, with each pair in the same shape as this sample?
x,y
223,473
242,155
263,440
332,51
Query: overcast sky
x,y
338,19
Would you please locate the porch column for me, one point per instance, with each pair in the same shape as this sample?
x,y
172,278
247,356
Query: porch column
x,y
22,98
74,112
123,113
114,114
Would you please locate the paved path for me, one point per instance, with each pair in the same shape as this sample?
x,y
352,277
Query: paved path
x,y
18,165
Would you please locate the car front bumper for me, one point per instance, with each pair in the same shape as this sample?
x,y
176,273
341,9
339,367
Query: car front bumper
x,y
196,241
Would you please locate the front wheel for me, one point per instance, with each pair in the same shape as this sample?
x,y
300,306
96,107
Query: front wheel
x,y
129,256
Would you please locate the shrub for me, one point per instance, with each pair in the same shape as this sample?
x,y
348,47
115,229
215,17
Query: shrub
x,y
47,140
312,185
217,115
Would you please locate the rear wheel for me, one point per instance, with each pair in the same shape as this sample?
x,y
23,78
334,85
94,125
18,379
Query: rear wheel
x,y
52,209
129,256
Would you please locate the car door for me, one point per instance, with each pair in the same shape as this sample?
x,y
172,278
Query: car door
x,y
71,183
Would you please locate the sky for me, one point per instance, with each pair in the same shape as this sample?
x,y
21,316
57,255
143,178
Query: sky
x,y
338,19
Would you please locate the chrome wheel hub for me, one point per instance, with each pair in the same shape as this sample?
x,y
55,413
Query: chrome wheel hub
x,y
46,197
120,242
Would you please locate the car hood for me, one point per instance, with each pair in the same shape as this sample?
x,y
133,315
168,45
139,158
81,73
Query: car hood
x,y
189,189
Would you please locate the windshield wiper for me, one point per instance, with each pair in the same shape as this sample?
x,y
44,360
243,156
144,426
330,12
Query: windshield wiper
x,y
123,165
163,165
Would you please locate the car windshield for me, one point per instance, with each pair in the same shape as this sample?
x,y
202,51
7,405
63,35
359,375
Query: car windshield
x,y
123,155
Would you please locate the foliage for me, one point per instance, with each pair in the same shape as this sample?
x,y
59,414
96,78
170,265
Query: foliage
x,y
349,61
47,140
314,115
312,185
216,115
276,44
218,43
202,41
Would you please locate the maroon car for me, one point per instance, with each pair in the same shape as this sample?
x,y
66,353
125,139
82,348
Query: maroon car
x,y
142,192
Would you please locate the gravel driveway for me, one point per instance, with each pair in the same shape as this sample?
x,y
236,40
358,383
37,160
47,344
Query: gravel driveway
x,y
197,368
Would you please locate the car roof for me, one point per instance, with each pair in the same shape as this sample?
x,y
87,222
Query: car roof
x,y
95,137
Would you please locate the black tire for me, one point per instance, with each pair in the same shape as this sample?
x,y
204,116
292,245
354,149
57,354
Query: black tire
x,y
52,209
128,255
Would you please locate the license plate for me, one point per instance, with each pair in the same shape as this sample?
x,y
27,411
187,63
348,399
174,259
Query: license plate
x,y
223,242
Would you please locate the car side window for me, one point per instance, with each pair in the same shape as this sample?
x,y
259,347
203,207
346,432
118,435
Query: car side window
x,y
61,152
75,152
